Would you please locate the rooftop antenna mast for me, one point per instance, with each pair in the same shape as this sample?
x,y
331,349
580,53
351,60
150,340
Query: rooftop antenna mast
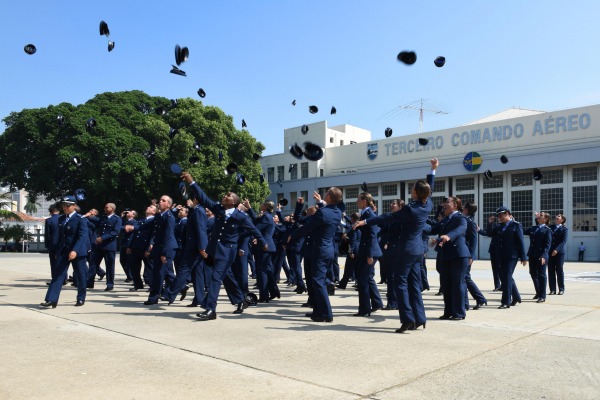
x,y
409,109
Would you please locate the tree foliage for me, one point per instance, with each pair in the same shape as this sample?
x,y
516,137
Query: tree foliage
x,y
125,158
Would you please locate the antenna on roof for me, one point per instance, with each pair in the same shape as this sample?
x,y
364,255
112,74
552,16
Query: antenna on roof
x,y
410,109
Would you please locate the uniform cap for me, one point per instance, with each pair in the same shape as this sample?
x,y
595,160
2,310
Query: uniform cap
x,y
312,151
313,109
173,102
201,93
256,156
240,179
537,174
104,29
342,206
220,156
177,71
194,160
488,175
231,168
111,45
294,102
175,169
503,159
29,49
77,161
182,189
291,167
90,123
68,200
407,57
364,187
423,141
80,194
261,178
333,110
181,54
160,110
251,298
304,129
502,210
296,151
196,145
244,125
283,201
60,119
439,61
388,132
172,132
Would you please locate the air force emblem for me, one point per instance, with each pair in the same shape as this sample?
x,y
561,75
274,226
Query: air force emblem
x,y
372,151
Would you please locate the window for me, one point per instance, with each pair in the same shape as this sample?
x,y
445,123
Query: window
x,y
390,190
280,174
271,174
439,186
437,200
293,171
521,206
585,174
341,142
374,190
494,183
385,206
465,184
293,199
304,170
351,207
321,172
351,193
491,202
331,140
551,201
466,198
552,176
585,208
304,195
521,179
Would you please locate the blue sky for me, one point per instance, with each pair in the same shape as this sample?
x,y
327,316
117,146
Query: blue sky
x,y
254,57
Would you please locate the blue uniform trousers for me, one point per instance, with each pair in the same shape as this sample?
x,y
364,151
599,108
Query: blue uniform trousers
x,y
320,297
221,273
473,289
109,262
556,272
510,292
60,274
454,284
368,294
538,276
159,274
408,289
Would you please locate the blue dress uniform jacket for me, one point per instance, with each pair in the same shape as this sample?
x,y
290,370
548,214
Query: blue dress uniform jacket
x,y
164,245
108,229
556,262
539,248
369,245
140,243
51,239
559,239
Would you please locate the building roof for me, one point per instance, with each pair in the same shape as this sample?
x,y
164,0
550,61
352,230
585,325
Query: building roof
x,y
513,112
29,218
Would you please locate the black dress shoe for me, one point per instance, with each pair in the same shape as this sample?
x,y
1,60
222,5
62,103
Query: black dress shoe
x,y
439,293
207,315
79,303
275,296
135,289
497,289
375,309
416,326
405,326
48,304
263,300
73,284
479,305
552,292
300,291
340,286
89,287
163,298
309,314
321,319
541,300
388,308
561,292
503,306
444,316
128,280
192,305
241,307
535,297
108,289
184,293
307,305
150,303
514,302
47,283
362,315
331,290
101,277
453,318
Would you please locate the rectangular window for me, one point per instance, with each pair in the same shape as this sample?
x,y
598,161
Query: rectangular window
x,y
331,140
466,198
521,179
280,174
491,202
304,195
293,199
585,208
551,201
465,184
293,171
351,207
374,190
341,142
321,172
552,176
271,174
495,183
385,206
390,190
439,186
437,200
585,174
351,193
521,206
304,170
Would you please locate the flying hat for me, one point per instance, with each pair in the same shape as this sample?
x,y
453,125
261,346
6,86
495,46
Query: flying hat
x,y
173,102
283,201
175,169
256,156
160,110
231,168
488,175
68,200
423,141
194,160
251,298
342,206
240,179
296,151
304,129
503,159
80,194
291,167
104,29
201,93
261,178
333,110
439,61
388,132
537,174
312,151
313,109
220,156
364,187
77,161
60,119
177,71
407,57
181,54
172,132
244,125
196,145
182,189
90,123
29,49
111,46
294,102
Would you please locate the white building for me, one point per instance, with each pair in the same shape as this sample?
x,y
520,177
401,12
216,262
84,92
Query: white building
x,y
564,145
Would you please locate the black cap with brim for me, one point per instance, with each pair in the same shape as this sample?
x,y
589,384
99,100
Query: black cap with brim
x,y
502,210
111,45
80,194
407,57
196,145
77,161
261,178
29,49
423,141
231,168
293,102
313,109
304,129
104,29
90,123
388,132
364,187
194,160
256,156
201,93
488,175
504,159
439,61
60,119
537,174
176,169
177,71
312,151
283,201
333,110
172,132
296,151
181,54
68,200
182,189
240,179
342,206
244,124
251,298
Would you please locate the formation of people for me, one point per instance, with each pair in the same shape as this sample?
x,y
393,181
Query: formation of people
x,y
207,244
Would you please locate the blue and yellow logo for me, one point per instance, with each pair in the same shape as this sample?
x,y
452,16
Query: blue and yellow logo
x,y
472,161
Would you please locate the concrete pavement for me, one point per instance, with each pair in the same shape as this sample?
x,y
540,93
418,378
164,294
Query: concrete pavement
x,y
115,347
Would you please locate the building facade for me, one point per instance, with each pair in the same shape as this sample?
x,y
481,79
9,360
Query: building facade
x,y
564,145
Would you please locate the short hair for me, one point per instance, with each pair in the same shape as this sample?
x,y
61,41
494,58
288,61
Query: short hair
x,y
355,216
53,208
169,199
134,213
112,205
562,218
335,194
236,198
471,208
422,189
269,205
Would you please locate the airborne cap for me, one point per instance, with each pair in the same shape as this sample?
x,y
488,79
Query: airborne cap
x,y
407,57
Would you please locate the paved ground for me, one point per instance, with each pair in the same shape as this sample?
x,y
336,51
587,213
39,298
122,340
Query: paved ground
x,y
116,348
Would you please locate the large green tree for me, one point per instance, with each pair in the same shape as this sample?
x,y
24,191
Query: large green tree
x,y
125,158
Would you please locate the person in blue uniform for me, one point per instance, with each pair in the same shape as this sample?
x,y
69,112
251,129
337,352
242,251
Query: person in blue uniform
x,y
540,241
293,250
107,231
391,242
72,248
51,236
141,241
128,217
322,227
556,262
223,246
472,239
413,219
353,239
510,248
